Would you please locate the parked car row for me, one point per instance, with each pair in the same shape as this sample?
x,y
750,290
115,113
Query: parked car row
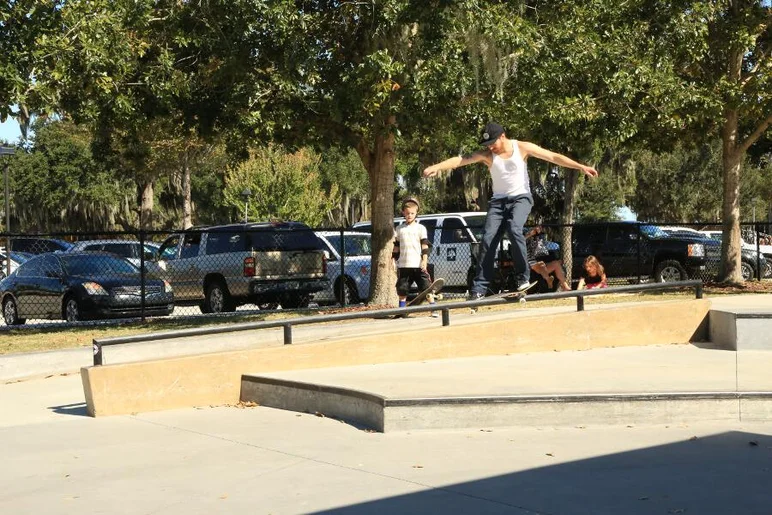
x,y
222,267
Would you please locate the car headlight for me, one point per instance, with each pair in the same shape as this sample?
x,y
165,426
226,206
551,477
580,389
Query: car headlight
x,y
94,289
696,250
167,287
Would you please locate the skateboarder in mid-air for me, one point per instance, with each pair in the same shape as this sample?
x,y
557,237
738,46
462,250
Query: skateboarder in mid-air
x,y
511,202
411,252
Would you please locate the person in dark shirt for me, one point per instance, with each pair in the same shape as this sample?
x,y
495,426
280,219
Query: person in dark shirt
x,y
593,274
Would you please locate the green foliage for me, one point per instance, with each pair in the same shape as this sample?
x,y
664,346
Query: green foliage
x,y
283,186
342,168
58,185
679,186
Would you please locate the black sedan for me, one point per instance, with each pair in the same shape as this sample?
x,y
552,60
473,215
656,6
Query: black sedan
x,y
80,286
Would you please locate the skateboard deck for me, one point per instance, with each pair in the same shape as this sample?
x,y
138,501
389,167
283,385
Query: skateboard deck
x,y
435,287
510,295
515,295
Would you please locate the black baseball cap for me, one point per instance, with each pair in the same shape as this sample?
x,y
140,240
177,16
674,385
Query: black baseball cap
x,y
491,133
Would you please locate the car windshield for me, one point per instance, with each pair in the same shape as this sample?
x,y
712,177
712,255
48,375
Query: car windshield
x,y
20,257
356,245
653,232
97,265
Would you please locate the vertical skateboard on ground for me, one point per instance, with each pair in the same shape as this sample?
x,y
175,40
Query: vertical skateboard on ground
x,y
433,289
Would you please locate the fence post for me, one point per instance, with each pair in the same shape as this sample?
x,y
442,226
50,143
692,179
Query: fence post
x,y
638,252
142,275
344,301
759,273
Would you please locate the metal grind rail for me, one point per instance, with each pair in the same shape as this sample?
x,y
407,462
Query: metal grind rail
x,y
444,308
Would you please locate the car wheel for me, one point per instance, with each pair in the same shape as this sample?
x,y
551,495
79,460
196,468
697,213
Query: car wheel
x,y
350,295
669,271
768,269
748,271
11,314
71,310
295,301
217,300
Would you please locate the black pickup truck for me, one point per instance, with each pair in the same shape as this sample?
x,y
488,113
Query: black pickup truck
x,y
634,251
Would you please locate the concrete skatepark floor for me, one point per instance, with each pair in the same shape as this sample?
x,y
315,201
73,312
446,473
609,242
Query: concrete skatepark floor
x,y
260,460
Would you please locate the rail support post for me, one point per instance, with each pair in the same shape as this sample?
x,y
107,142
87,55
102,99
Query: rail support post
x,y
287,334
97,354
580,303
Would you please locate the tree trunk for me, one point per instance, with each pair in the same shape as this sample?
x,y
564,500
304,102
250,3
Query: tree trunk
x,y
146,206
187,210
380,166
731,159
731,271
567,219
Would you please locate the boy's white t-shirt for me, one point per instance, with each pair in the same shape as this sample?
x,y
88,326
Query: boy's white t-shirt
x,y
409,237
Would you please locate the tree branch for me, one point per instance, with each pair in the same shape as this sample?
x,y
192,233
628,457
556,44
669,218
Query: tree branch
x,y
753,72
750,140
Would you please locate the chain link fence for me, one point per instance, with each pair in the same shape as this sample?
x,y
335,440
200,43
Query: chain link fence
x,y
94,277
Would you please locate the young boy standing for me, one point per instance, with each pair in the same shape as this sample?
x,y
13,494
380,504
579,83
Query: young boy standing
x,y
411,252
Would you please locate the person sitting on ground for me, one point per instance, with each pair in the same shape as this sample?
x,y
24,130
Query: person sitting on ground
x,y
542,262
593,274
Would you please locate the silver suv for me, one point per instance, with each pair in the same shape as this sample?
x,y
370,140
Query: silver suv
x,y
223,267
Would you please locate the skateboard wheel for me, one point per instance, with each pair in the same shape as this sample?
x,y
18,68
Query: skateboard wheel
x,y
522,300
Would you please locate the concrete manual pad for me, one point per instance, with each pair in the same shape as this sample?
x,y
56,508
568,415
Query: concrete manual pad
x,y
658,384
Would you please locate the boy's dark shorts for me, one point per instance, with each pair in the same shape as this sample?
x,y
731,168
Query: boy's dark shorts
x,y
408,276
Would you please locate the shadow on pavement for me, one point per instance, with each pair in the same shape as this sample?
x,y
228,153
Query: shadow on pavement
x,y
77,409
720,474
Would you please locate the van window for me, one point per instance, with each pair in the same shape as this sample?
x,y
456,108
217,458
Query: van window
x,y
190,245
224,242
476,224
431,228
285,239
169,248
454,231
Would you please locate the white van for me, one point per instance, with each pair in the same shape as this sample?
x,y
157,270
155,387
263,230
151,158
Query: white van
x,y
454,237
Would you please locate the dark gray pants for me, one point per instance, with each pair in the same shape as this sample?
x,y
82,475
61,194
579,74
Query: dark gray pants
x,y
511,213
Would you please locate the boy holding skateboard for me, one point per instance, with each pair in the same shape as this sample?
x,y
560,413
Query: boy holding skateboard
x,y
411,253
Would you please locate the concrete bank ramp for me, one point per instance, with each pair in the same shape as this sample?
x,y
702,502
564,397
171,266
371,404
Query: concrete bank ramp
x,y
216,378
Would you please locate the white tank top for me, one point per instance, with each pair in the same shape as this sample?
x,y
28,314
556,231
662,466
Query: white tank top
x,y
510,176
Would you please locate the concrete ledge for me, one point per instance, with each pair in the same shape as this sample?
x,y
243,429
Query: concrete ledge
x,y
413,414
216,378
740,330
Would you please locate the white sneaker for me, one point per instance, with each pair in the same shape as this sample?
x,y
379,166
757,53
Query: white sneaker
x,y
526,286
